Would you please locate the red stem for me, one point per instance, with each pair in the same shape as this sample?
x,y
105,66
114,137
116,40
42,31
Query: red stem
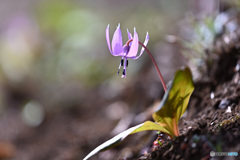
x,y
156,66
154,62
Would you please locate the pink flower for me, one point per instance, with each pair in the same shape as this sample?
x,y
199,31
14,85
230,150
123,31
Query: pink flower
x,y
129,50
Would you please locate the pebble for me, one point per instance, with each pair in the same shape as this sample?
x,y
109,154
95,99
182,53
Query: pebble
x,y
224,103
194,145
189,127
212,95
237,67
228,110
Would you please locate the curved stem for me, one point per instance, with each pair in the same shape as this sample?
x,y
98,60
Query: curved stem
x,y
156,66
154,62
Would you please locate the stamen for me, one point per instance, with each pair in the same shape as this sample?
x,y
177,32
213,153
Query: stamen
x,y
122,62
124,72
124,68
126,49
120,65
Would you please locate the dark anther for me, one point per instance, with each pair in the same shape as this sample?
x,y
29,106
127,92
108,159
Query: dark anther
x,y
127,63
122,62
124,72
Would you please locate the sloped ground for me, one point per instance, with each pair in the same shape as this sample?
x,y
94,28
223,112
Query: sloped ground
x,y
213,116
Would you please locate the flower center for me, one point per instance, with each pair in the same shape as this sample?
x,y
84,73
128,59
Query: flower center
x,y
126,49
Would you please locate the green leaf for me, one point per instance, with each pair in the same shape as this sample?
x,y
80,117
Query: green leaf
x,y
146,126
175,101
149,125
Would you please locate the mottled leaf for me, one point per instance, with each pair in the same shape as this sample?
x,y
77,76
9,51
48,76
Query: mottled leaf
x,y
175,101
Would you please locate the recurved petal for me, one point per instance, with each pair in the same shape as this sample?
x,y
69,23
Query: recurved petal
x,y
134,47
145,44
129,35
108,39
117,46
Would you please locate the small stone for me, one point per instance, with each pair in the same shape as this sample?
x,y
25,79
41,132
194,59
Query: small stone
x,y
228,110
212,95
237,67
194,145
178,156
142,158
224,103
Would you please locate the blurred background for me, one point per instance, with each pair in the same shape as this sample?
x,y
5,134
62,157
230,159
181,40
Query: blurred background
x,y
60,95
